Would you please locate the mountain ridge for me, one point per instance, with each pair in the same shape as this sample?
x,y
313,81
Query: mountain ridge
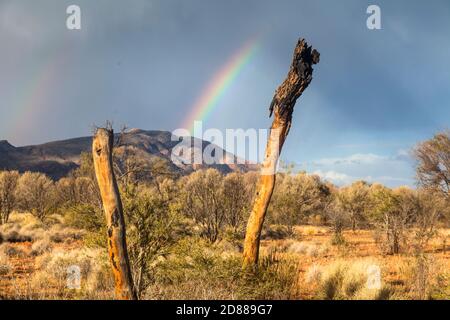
x,y
58,158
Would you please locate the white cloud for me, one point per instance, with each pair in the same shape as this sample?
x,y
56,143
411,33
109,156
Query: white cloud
x,y
358,158
391,170
340,178
333,176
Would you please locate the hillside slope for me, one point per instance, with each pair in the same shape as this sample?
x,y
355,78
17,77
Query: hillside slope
x,y
58,158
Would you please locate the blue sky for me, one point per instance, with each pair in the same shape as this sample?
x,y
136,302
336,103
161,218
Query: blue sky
x,y
143,63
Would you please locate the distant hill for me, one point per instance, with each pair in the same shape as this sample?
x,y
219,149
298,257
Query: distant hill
x,y
58,158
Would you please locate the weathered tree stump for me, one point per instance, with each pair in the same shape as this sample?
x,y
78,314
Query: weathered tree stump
x,y
102,147
282,107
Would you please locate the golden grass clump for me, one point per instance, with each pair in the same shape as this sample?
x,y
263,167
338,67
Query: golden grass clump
x,y
348,280
50,279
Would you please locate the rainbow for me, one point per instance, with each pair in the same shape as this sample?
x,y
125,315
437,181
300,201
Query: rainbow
x,y
219,84
30,102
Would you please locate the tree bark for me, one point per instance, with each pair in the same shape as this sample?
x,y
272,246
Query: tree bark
x,y
282,107
102,147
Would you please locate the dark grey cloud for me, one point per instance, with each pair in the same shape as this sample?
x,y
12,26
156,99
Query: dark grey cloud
x,y
143,63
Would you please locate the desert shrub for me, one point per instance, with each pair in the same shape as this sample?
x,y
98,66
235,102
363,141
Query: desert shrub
x,y
234,236
5,266
274,279
193,269
91,219
202,199
51,276
8,194
59,233
22,228
15,235
433,162
152,219
424,277
431,206
392,213
311,250
41,246
86,182
276,232
84,216
218,203
404,218
296,197
337,217
36,194
73,191
347,281
441,291
10,250
27,228
237,195
353,200
338,239
198,269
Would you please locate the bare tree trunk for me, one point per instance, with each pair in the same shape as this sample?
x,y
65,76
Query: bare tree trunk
x,y
102,147
282,106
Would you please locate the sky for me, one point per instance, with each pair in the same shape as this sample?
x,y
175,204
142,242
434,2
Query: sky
x,y
145,63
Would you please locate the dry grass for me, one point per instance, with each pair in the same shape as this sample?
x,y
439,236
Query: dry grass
x,y
306,266
34,259
51,275
316,257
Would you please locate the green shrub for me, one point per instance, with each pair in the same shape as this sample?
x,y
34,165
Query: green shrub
x,y
197,269
84,216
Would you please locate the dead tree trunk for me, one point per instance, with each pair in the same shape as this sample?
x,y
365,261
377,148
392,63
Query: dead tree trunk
x,y
282,106
102,147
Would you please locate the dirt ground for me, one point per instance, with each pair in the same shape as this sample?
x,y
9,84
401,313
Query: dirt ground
x,y
396,270
311,247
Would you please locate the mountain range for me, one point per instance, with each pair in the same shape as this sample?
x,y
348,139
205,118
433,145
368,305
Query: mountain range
x,y
58,158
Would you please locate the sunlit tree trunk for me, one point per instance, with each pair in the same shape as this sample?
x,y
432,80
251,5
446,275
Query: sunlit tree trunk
x,y
282,107
102,147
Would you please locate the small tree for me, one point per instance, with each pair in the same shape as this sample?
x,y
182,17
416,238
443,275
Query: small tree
x,y
431,207
36,194
203,201
151,220
339,221
297,197
354,200
85,180
73,191
236,200
393,212
8,186
433,163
